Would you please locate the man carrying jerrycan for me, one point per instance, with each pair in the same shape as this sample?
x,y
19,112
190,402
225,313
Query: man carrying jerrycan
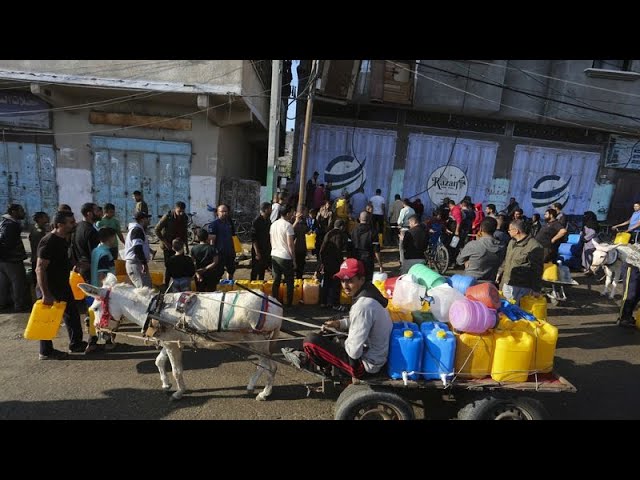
x,y
521,271
368,324
52,271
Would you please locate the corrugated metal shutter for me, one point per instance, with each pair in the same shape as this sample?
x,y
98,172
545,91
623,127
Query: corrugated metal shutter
x,y
372,152
560,175
159,169
426,153
28,177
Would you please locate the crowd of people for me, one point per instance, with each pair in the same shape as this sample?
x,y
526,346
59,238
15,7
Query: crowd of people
x,y
503,247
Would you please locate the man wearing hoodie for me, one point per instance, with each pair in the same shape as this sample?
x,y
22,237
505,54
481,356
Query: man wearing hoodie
x,y
137,252
368,325
483,256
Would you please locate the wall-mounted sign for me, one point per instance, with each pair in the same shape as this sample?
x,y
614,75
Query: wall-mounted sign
x,y
623,152
22,109
447,182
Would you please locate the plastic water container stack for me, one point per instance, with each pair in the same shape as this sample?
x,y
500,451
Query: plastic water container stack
x,y
569,252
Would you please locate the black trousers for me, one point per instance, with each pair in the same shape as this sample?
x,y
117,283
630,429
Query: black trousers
x,y
167,254
282,267
631,294
259,267
301,259
71,319
330,289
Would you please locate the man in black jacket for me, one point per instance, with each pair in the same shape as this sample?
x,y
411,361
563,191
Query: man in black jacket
x,y
366,245
414,243
172,225
13,277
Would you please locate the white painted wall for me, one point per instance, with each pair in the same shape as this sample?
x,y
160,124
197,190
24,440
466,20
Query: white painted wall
x,y
203,192
74,188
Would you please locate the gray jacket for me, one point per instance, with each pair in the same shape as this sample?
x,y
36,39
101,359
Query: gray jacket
x,y
369,326
484,256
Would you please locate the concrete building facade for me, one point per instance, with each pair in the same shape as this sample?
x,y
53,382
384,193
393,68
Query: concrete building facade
x,y
78,131
538,130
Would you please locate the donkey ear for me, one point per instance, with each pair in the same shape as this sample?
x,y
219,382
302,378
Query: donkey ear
x,y
92,291
595,244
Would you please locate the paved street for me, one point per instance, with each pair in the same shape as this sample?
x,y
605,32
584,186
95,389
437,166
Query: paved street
x,y
600,359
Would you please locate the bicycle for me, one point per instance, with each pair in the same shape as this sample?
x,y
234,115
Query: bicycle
x,y
242,228
437,256
193,229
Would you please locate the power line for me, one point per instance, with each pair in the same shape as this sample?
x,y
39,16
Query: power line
x,y
505,105
513,89
560,79
94,132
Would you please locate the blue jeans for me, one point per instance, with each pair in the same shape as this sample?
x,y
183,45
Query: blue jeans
x,y
182,284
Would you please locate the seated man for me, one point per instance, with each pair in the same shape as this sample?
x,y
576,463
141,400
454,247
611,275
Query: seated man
x,y
483,256
369,326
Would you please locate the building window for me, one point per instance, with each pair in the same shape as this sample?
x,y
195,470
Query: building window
x,y
619,65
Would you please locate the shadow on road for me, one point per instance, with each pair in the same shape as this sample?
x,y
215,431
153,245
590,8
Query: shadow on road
x,y
121,404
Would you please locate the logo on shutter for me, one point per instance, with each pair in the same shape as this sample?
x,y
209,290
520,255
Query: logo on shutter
x,y
447,182
549,190
345,173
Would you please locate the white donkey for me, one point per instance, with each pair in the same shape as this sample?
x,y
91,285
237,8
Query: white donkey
x,y
201,316
606,256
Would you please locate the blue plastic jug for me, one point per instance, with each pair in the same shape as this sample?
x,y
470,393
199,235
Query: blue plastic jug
x,y
405,353
427,327
399,327
439,354
462,282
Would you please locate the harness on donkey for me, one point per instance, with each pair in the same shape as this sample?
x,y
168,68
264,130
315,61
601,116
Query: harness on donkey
x,y
184,305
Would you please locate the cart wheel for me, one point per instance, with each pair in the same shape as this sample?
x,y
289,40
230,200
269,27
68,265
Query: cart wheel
x,y
492,408
348,392
360,402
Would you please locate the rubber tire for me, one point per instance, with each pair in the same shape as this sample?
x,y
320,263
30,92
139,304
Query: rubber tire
x,y
488,408
348,391
353,402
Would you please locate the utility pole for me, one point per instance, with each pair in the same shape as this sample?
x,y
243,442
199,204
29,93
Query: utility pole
x,y
274,128
305,138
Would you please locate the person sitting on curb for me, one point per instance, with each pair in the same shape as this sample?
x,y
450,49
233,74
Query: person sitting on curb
x,y
369,325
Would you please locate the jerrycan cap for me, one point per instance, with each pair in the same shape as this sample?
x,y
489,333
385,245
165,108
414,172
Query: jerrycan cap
x,y
441,334
408,333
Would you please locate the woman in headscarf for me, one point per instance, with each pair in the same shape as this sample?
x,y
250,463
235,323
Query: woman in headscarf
x,y
589,231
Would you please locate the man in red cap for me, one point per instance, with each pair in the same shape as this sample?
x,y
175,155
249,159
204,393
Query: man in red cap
x,y
366,347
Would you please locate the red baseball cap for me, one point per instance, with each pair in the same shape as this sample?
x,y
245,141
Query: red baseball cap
x,y
349,269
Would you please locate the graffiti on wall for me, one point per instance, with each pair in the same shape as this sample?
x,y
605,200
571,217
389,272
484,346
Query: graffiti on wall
x,y
601,200
498,193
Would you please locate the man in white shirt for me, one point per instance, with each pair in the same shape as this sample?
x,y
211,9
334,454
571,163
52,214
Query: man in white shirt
x,y
394,213
403,223
283,260
378,210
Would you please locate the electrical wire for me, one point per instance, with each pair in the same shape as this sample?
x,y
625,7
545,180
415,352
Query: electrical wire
x,y
116,129
610,130
516,90
620,92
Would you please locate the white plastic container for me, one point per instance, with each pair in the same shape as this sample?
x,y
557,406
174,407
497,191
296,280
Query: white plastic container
x,y
443,297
